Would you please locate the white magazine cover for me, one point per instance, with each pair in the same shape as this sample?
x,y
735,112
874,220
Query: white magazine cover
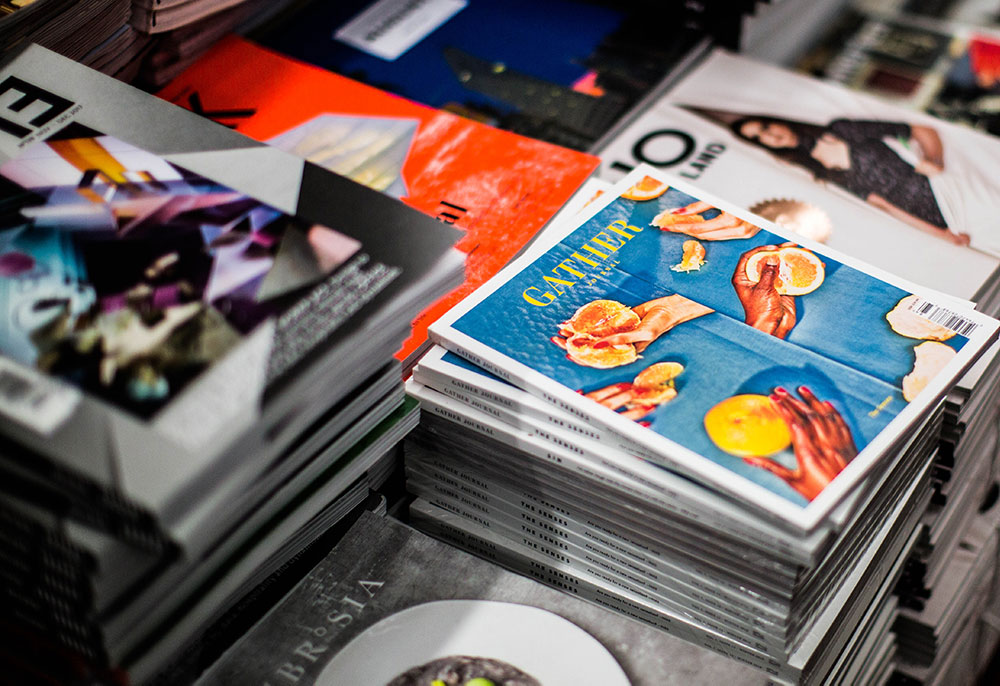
x,y
787,370
901,190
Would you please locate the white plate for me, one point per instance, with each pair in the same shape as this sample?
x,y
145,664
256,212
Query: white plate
x,y
551,649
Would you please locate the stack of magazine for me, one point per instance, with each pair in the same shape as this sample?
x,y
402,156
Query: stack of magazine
x,y
927,215
197,375
690,414
945,68
70,28
948,625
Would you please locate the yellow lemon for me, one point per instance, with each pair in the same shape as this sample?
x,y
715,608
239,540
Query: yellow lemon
x,y
747,425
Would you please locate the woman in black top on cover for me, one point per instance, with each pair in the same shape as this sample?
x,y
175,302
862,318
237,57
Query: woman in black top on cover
x,y
854,155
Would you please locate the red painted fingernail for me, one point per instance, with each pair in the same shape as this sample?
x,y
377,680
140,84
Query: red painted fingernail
x,y
601,344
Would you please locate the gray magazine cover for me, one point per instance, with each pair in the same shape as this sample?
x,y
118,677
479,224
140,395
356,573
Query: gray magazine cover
x,y
390,605
167,283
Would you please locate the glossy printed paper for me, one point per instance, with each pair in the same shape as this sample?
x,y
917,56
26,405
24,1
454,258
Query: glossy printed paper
x,y
782,391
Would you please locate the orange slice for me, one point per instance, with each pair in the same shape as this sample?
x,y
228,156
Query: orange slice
x,y
646,188
654,385
800,271
747,425
692,257
600,318
667,218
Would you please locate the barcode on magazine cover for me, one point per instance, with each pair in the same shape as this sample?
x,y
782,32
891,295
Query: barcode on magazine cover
x,y
943,317
34,401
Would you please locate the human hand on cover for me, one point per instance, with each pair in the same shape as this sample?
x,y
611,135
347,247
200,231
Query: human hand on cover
x,y
653,386
619,395
687,220
656,318
765,309
821,440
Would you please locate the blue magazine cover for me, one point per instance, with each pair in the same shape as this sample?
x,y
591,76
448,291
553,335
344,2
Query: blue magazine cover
x,y
769,369
552,69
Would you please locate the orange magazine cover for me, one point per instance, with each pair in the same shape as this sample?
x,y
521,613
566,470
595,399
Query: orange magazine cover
x,y
500,188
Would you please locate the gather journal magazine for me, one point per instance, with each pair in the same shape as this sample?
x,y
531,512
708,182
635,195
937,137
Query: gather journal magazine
x,y
760,364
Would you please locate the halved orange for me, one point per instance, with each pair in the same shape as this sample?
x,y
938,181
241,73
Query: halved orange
x,y
800,271
654,385
600,318
646,188
747,425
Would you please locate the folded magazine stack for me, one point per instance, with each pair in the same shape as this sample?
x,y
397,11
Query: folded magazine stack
x,y
682,411
943,642
926,215
73,29
197,376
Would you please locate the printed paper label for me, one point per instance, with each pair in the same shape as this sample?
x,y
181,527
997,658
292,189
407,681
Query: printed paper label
x,y
388,28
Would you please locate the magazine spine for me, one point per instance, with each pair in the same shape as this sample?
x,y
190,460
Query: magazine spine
x,y
590,561
665,490
514,404
608,515
654,529
30,476
467,535
595,533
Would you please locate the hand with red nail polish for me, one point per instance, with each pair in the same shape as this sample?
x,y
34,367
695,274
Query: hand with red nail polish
x,y
656,318
764,308
820,437
724,226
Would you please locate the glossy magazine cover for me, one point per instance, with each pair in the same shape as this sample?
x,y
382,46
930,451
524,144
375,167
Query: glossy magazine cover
x,y
762,365
165,282
555,70
890,186
128,276
497,187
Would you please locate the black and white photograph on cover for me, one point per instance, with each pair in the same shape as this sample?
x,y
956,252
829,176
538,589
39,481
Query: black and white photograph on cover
x,y
926,174
894,187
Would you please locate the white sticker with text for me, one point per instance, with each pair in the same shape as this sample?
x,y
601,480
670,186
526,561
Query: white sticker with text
x,y
388,28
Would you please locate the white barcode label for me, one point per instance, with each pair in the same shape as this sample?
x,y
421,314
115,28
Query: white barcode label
x,y
942,316
34,400
388,28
